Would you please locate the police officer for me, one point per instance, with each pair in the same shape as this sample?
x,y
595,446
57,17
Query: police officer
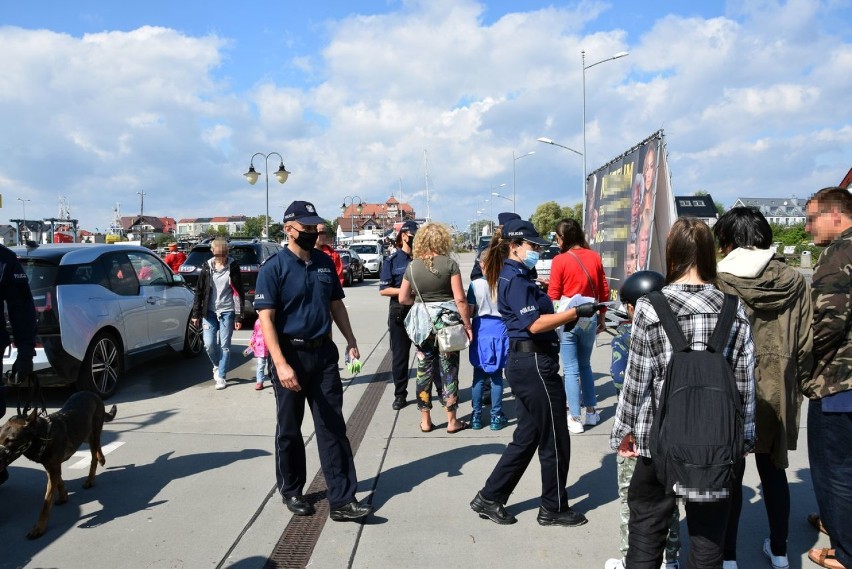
x,y
297,296
389,283
15,294
533,371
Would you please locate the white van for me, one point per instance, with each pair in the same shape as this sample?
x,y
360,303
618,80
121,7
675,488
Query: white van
x,y
371,253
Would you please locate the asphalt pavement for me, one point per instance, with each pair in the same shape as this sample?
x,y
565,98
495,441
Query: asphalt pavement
x,y
189,480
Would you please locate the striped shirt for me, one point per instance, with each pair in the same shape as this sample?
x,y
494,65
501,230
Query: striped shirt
x,y
697,308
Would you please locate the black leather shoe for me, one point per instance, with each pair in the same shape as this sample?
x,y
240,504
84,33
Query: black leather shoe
x,y
351,511
299,506
566,517
491,510
399,403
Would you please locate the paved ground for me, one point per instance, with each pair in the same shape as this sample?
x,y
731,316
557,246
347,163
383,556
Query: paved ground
x,y
189,482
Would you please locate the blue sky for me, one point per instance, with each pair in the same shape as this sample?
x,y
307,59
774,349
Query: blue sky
x,y
101,100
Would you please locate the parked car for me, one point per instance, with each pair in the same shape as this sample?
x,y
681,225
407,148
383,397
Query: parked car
x,y
542,267
482,244
353,266
102,309
249,254
371,254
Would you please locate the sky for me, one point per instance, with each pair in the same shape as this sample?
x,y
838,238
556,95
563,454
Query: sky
x,y
101,101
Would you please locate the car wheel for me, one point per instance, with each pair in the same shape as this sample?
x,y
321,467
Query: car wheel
x,y
361,278
102,368
193,341
348,280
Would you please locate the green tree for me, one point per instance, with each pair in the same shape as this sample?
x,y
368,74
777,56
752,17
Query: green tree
x,y
575,212
545,217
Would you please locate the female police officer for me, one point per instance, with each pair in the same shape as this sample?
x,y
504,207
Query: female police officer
x,y
533,372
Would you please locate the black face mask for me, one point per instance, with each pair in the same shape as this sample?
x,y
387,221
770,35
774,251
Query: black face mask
x,y
410,242
306,240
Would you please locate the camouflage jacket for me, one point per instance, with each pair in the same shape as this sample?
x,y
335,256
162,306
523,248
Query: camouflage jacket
x,y
832,296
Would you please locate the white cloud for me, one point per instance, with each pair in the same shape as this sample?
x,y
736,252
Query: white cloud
x,y
752,102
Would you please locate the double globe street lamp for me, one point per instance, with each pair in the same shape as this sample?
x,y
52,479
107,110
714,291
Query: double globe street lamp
x,y
359,207
252,175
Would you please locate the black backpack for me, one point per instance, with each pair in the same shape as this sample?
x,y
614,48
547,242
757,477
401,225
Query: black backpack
x,y
697,433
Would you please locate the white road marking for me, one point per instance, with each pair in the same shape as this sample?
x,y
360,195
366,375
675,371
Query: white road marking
x,y
86,456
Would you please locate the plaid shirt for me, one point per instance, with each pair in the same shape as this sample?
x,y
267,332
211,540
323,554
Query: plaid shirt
x,y
697,308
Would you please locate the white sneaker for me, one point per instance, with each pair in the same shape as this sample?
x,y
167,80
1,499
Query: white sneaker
x,y
220,383
592,418
614,564
574,425
215,373
778,561
729,565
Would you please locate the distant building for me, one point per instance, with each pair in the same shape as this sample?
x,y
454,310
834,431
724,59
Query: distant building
x,y
377,218
147,227
781,211
701,207
9,234
195,226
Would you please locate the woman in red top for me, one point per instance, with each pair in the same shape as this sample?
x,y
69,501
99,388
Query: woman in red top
x,y
578,270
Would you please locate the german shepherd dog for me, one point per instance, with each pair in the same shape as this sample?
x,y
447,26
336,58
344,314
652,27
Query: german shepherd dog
x,y
52,440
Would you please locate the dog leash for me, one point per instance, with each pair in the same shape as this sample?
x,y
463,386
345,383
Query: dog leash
x,y
34,394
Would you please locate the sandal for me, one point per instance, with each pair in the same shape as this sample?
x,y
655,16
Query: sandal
x,y
816,522
429,430
824,558
462,426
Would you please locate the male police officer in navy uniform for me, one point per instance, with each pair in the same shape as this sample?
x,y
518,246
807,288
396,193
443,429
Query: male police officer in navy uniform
x,y
15,294
297,296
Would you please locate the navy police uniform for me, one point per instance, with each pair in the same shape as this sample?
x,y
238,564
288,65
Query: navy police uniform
x,y
15,294
400,343
533,372
301,294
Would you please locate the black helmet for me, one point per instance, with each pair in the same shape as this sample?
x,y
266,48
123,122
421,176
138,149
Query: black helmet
x,y
639,284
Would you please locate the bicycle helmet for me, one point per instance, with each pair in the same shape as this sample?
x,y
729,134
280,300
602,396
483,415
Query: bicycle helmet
x,y
639,284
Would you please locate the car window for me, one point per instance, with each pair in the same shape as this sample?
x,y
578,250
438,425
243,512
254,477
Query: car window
x,y
149,270
549,253
244,255
344,256
198,257
365,249
87,273
42,275
121,277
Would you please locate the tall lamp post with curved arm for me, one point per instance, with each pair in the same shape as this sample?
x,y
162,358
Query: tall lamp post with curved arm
x,y
252,175
618,55
359,207
515,159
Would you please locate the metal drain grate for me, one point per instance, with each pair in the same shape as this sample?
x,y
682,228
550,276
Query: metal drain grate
x,y
296,544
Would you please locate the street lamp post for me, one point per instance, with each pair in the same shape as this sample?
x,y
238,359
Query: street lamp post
x,y
491,221
360,208
618,55
508,199
252,175
515,159
24,213
577,152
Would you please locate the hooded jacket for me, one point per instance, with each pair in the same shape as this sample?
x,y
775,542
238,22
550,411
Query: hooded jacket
x,y
778,304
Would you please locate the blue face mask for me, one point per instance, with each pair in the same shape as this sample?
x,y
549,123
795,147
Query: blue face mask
x,y
531,259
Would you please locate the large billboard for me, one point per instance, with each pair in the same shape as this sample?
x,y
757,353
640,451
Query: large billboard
x,y
629,210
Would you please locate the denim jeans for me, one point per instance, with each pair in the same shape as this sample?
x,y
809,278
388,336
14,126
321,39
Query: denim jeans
x,y
576,352
831,473
218,352
479,377
260,372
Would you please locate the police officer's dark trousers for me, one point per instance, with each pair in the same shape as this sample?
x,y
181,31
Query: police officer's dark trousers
x,y
317,373
542,425
400,345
